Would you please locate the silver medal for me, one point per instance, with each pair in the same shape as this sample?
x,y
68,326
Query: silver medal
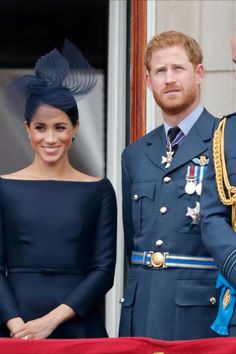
x,y
190,187
168,158
199,188
194,214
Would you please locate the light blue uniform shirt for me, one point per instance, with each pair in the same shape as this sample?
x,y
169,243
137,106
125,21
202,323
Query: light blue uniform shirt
x,y
187,123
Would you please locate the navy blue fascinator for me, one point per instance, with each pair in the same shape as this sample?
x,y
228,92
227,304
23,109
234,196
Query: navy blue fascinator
x,y
60,80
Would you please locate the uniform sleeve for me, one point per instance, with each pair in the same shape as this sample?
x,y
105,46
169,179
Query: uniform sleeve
x,y
8,305
127,208
100,278
217,233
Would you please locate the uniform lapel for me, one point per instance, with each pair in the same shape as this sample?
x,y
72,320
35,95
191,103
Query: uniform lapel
x,y
156,146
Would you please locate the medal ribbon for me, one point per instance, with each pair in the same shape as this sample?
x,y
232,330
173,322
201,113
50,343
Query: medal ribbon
x,y
201,170
226,306
191,173
179,137
175,135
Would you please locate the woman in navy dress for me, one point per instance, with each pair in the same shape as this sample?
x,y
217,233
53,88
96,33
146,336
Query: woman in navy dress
x,y
57,225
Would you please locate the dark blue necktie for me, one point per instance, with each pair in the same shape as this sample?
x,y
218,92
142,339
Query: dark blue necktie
x,y
175,135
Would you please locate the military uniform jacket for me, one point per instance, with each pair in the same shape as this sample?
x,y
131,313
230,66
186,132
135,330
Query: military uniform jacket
x,y
169,303
217,233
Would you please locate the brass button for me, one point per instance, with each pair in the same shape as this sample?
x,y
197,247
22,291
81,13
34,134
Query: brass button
x,y
166,179
121,300
159,243
135,197
163,210
157,259
213,300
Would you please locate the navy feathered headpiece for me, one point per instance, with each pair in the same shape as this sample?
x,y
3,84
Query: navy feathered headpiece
x,y
60,80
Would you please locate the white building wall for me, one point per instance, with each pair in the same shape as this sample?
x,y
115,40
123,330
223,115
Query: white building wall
x,y
116,114
212,23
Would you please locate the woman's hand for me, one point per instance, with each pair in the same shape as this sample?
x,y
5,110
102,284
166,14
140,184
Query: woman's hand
x,y
15,325
42,327
39,328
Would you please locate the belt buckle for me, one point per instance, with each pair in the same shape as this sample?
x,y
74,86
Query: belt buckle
x,y
158,259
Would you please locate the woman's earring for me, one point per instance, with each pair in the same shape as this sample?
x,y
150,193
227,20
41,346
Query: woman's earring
x,y
29,137
73,138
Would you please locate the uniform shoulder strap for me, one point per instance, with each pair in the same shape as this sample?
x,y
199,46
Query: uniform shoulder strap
x,y
230,115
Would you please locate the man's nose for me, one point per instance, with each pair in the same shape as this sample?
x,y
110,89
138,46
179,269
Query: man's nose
x,y
170,76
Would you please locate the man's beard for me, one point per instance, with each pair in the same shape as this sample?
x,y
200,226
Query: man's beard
x,y
177,104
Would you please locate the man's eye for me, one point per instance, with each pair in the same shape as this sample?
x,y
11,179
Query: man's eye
x,y
159,71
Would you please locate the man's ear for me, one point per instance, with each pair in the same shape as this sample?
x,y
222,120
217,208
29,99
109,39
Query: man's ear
x,y
148,80
199,73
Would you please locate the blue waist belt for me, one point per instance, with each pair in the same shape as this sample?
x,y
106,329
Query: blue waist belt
x,y
166,260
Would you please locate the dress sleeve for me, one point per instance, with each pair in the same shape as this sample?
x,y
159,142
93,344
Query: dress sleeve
x,y
8,306
217,232
101,275
127,208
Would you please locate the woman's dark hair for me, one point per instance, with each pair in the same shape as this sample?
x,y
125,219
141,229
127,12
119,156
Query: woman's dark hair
x,y
59,98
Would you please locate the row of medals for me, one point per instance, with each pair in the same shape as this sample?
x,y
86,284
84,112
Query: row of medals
x,y
192,183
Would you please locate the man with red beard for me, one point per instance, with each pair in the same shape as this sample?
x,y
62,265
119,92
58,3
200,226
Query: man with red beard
x,y
170,292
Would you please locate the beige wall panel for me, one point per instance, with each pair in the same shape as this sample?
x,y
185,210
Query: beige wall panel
x,y
217,93
234,16
178,15
216,31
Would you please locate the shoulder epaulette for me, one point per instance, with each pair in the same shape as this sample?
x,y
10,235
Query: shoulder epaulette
x,y
229,115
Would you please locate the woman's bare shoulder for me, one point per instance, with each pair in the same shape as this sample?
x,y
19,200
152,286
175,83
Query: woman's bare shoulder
x,y
86,178
21,174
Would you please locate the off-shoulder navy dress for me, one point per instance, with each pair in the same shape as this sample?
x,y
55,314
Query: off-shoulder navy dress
x,y
57,245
